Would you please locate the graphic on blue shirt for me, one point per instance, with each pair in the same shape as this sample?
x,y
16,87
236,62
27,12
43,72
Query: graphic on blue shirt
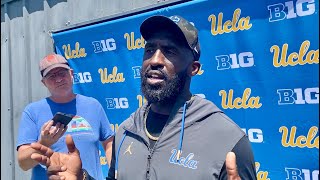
x,y
77,124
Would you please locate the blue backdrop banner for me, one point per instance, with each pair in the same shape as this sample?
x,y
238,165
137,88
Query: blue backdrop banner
x,y
259,64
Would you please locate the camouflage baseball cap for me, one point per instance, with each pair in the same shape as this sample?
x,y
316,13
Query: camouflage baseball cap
x,y
175,24
52,61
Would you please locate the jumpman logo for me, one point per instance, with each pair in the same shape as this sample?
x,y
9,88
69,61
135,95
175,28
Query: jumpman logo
x,y
128,149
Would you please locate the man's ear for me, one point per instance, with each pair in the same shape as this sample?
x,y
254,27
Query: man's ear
x,y
71,74
194,68
71,71
43,82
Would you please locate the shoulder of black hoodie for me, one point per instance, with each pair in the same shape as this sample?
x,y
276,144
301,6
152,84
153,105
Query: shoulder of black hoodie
x,y
245,161
242,149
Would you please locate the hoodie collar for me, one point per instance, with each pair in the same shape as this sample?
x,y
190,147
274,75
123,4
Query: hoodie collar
x,y
136,125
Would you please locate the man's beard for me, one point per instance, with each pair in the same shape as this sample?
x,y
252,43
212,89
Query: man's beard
x,y
166,91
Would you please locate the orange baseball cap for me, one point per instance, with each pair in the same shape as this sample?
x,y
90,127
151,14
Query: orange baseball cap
x,y
52,61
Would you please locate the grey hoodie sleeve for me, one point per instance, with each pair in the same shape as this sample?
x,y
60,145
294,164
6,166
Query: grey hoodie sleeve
x,y
245,161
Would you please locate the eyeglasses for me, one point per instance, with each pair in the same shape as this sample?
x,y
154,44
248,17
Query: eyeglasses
x,y
53,76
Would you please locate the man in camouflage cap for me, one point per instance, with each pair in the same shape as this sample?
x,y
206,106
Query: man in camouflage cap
x,y
177,135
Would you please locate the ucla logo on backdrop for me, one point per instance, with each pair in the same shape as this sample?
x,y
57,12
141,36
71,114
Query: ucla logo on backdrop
x,y
298,96
114,127
304,56
133,43
228,26
136,72
117,103
113,77
291,9
246,101
82,77
261,175
103,159
291,139
141,100
301,174
244,59
254,135
104,45
187,162
77,52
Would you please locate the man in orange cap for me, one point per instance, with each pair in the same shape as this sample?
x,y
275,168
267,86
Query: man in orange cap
x,y
36,123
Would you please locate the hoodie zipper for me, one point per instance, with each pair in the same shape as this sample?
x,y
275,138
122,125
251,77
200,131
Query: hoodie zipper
x,y
149,150
180,144
148,167
149,159
152,150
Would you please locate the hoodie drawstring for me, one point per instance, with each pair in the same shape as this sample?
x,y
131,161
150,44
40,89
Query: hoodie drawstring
x,y
181,132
